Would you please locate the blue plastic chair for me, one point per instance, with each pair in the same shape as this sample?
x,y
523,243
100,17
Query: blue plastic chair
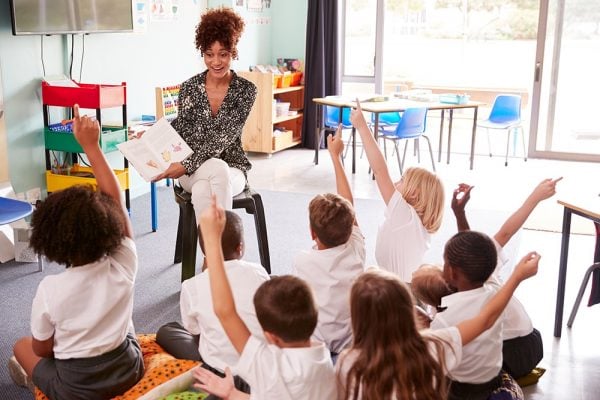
x,y
505,114
12,210
332,120
412,125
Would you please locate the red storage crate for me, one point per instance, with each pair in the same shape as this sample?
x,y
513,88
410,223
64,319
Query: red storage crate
x,y
87,95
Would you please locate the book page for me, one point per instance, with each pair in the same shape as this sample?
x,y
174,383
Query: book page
x,y
165,143
143,160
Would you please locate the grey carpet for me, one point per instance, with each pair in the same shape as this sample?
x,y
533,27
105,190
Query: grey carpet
x,y
158,281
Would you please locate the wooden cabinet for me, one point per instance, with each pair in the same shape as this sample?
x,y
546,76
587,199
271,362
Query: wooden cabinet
x,y
257,134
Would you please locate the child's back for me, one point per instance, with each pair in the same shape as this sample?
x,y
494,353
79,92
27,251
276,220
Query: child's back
x,y
331,267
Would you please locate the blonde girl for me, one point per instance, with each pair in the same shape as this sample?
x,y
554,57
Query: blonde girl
x,y
389,357
414,208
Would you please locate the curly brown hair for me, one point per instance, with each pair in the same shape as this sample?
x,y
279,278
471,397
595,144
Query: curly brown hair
x,y
331,218
77,226
221,25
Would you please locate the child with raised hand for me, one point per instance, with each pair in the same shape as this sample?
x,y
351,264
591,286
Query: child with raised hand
x,y
414,208
201,336
337,257
522,347
287,365
82,344
390,358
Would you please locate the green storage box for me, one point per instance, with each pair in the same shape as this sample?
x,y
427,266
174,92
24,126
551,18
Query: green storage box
x,y
65,141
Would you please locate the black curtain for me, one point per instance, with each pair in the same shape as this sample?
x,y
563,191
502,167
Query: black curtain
x,y
321,67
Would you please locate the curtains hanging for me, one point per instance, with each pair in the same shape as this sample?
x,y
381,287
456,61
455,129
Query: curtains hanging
x,y
321,71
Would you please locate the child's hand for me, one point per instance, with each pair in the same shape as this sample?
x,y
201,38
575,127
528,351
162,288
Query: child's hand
x,y
545,190
528,266
335,144
460,197
357,117
85,129
212,383
212,221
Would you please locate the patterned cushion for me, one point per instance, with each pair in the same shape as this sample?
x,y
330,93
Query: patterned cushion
x,y
159,368
509,390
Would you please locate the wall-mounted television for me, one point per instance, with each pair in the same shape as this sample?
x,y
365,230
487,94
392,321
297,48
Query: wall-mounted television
x,y
50,17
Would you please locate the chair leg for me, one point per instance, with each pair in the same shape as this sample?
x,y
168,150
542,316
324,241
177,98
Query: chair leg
x,y
430,152
400,161
523,140
190,243
586,278
261,233
179,241
507,146
489,142
417,150
404,156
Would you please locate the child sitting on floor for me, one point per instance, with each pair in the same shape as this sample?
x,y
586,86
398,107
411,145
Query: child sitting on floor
x,y
390,358
414,208
429,287
82,344
202,337
287,365
337,258
522,346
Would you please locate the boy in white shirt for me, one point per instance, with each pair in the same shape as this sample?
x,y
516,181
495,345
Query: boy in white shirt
x,y
201,336
337,258
287,365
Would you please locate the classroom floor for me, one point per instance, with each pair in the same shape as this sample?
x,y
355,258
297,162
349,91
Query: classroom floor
x,y
573,361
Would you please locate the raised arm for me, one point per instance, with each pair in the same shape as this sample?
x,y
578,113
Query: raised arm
x,y
212,223
544,190
374,154
87,133
335,145
490,313
460,198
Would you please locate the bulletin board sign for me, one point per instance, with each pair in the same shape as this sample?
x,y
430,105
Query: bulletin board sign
x,y
167,101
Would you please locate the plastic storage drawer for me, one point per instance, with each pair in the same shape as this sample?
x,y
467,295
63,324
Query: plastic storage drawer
x,y
65,141
87,95
57,182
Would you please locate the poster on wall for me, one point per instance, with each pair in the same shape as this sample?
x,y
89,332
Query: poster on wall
x,y
239,3
140,16
163,10
255,5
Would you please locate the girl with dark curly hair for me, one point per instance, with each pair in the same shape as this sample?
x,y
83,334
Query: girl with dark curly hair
x,y
82,344
213,108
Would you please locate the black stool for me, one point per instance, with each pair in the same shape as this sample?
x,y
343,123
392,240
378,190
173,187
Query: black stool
x,y
187,229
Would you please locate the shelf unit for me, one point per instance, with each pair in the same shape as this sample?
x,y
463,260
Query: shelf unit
x,y
257,134
88,96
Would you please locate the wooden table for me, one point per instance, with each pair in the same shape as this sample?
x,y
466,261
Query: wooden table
x,y
396,105
590,209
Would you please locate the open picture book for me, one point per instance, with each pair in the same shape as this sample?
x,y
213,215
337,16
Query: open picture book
x,y
153,152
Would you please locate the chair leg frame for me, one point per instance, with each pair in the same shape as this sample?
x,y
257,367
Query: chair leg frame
x,y
582,287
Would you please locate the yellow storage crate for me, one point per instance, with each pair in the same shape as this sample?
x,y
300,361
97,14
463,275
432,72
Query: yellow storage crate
x,y
56,182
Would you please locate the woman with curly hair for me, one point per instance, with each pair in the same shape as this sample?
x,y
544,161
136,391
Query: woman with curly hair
x,y
389,357
82,344
213,108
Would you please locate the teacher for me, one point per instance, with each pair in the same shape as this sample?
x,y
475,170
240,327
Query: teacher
x,y
213,108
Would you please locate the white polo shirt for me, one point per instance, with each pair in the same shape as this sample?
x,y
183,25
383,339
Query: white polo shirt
x,y
198,316
516,320
87,308
331,273
402,240
300,373
451,346
482,358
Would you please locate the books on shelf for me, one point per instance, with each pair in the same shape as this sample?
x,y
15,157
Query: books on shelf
x,y
153,152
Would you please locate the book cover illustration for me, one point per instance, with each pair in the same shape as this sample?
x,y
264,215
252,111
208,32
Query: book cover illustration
x,y
155,150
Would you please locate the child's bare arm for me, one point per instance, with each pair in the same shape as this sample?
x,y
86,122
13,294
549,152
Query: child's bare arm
x,y
43,348
490,313
212,223
335,145
374,154
87,133
460,198
543,191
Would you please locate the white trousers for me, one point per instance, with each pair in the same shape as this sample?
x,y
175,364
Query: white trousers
x,y
213,176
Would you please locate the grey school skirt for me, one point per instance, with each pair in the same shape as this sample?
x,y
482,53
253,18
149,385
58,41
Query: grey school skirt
x,y
99,377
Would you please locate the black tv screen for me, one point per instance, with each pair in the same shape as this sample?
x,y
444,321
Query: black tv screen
x,y
49,17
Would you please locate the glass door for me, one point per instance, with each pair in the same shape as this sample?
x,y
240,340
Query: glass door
x,y
564,115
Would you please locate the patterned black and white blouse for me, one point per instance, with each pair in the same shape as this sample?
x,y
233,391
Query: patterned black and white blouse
x,y
219,136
